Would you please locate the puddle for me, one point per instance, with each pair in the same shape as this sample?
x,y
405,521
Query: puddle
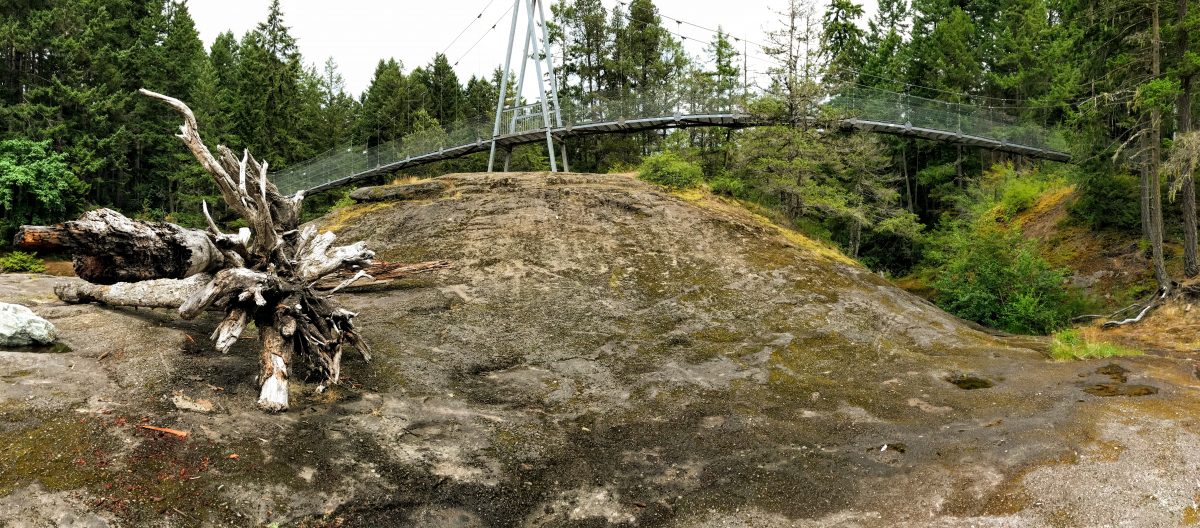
x,y
55,348
1118,387
970,382
1114,371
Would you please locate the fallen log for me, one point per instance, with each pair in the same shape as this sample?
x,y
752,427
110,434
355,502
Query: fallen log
x,y
173,293
155,293
108,248
268,273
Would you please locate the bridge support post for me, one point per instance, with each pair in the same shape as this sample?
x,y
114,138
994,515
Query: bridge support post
x,y
553,82
504,85
542,86
536,48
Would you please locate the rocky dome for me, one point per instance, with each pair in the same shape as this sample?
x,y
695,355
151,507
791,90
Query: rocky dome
x,y
600,352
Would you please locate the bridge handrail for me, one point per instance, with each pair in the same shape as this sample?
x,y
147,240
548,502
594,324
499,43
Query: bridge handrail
x,y
950,119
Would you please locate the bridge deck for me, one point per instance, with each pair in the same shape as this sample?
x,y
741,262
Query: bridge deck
x,y
728,120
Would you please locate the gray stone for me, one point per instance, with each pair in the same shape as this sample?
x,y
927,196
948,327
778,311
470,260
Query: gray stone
x,y
19,326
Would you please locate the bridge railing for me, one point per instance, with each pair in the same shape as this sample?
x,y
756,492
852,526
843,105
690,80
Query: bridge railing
x,y
862,103
984,122
349,160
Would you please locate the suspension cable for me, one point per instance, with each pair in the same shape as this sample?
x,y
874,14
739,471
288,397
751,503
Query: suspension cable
x,y
469,24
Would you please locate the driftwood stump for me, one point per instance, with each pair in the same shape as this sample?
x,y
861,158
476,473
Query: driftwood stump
x,y
269,273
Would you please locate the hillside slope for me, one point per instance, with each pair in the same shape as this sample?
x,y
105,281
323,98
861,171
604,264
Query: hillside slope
x,y
604,353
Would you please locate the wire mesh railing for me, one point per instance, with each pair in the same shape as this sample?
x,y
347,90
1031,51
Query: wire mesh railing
x,y
466,137
349,160
957,119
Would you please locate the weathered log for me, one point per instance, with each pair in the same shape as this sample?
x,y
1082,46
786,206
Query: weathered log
x,y
267,273
159,293
108,248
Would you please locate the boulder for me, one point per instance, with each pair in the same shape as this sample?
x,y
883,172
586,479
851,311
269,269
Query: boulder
x,y
19,326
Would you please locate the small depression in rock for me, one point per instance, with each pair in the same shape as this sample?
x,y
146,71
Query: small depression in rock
x,y
1106,390
54,348
970,381
1114,371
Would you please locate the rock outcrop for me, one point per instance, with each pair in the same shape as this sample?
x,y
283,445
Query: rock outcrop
x,y
600,353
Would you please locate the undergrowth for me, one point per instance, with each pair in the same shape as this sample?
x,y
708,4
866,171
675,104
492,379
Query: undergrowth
x,y
1072,345
671,171
21,262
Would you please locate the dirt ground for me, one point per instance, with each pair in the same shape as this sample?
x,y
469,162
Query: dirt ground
x,y
600,354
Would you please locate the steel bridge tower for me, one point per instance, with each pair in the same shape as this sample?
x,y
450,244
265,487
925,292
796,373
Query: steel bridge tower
x,y
518,117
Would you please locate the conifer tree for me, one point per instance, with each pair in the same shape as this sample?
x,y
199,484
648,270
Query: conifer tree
x,y
843,45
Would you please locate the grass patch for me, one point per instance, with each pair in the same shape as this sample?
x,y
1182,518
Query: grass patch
x,y
1071,345
338,219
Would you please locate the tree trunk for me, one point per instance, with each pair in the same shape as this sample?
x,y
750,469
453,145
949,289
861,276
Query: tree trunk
x,y
904,169
1191,266
108,248
1155,185
155,293
958,167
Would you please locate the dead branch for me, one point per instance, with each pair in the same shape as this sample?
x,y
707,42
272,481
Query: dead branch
x,y
1154,301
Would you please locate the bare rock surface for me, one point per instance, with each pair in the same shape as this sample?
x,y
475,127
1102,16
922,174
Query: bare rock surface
x,y
599,354
410,191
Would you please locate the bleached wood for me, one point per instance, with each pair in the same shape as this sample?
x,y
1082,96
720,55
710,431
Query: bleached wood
x,y
266,273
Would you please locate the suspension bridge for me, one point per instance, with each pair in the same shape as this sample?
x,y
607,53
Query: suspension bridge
x,y
555,120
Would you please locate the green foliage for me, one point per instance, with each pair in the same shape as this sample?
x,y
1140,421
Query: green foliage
x,y
728,186
1108,198
671,171
993,276
843,43
830,183
1020,196
1070,345
36,185
343,202
1157,94
21,262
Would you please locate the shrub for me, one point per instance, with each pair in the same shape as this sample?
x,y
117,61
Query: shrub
x,y
344,202
1070,344
21,262
36,185
669,170
1020,195
1107,199
993,276
728,186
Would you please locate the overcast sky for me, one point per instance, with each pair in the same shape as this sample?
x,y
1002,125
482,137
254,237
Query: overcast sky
x,y
358,33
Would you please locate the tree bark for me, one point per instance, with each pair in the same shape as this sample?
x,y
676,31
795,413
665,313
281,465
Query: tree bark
x,y
1191,264
108,248
157,293
958,167
1155,185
